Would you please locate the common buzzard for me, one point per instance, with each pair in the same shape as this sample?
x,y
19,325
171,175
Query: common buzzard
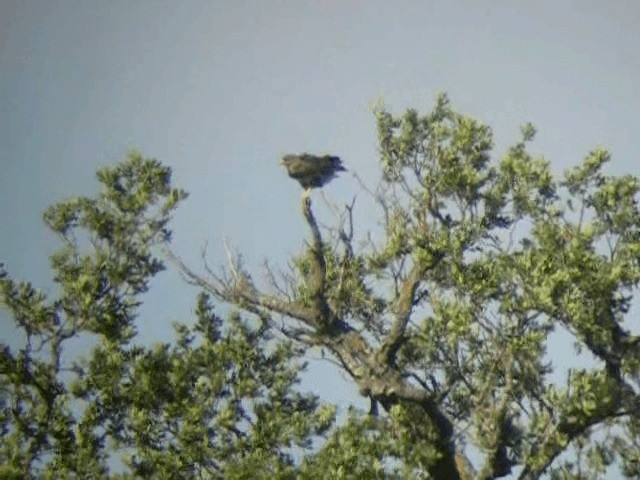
x,y
312,171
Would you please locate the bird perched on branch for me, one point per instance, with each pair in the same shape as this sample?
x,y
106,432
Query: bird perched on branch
x,y
312,171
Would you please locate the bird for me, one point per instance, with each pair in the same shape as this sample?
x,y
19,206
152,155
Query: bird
x,y
312,171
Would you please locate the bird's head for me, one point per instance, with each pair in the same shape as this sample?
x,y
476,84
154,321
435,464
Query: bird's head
x,y
286,160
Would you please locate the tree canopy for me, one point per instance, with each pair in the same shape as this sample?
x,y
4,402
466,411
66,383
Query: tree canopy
x,y
442,317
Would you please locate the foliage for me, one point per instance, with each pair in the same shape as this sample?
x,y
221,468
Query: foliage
x,y
219,402
442,318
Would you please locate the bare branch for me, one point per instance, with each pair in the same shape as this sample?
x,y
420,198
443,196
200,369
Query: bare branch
x,y
403,308
322,310
246,296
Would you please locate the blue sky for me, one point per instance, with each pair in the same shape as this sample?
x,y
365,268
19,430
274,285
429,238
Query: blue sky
x,y
221,90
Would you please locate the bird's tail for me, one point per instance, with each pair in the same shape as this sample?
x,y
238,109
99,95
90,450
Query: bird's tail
x,y
336,163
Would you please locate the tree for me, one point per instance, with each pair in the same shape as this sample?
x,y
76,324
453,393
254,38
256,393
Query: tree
x,y
441,318
218,403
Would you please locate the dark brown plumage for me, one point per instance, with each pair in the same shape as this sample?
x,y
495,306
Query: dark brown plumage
x,y
310,170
